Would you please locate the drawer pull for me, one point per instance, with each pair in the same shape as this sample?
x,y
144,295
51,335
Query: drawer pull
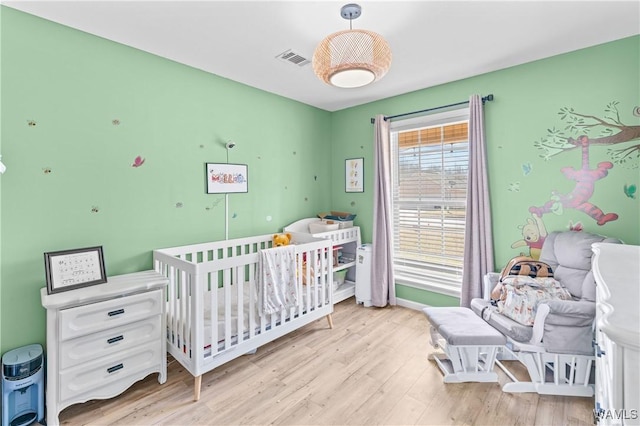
x,y
116,312
115,368
115,339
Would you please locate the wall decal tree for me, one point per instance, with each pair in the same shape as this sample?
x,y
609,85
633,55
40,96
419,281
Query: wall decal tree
x,y
576,135
611,131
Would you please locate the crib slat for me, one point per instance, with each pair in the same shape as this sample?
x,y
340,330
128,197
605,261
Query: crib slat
x,y
184,313
252,299
213,309
171,306
300,261
325,256
240,284
179,334
227,311
179,321
316,279
196,285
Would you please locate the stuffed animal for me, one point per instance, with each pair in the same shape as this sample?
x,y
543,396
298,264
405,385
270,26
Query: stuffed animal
x,y
281,240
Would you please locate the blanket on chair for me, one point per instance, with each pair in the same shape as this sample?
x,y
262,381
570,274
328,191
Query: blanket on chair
x,y
278,287
520,296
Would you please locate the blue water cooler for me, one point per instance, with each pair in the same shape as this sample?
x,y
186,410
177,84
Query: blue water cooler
x,y
23,386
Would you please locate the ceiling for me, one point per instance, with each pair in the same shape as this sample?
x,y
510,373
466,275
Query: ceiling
x,y
433,42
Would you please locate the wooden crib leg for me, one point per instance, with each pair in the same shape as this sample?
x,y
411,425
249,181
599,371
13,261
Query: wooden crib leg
x,y
330,321
197,382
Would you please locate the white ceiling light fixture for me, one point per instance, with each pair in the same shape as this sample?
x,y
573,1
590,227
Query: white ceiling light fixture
x,y
352,58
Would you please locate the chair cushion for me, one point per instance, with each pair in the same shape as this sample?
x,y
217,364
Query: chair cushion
x,y
505,325
564,339
569,254
460,326
571,312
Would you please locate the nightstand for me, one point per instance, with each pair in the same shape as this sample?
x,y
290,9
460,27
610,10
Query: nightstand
x,y
103,338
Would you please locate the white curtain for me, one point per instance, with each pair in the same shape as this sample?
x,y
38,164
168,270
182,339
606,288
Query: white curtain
x,y
383,289
478,241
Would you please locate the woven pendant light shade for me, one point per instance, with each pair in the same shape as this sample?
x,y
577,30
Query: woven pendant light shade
x,y
352,58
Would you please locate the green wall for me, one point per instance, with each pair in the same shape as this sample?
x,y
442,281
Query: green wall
x,y
528,99
77,110
71,182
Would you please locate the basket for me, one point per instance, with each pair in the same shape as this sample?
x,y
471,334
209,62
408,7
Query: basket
x,y
339,277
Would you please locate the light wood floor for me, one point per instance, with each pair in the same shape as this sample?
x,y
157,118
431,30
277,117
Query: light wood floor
x,y
370,369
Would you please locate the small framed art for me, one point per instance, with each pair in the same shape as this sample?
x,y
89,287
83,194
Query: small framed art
x,y
224,178
70,269
354,175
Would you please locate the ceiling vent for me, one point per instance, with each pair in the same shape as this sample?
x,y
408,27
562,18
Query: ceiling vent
x,y
293,57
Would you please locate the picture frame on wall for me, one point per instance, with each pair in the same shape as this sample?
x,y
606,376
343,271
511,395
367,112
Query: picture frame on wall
x,y
354,175
71,269
224,178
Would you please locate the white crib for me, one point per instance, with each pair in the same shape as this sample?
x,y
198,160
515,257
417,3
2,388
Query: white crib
x,y
219,280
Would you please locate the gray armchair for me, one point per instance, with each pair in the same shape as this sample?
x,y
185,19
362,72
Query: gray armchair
x,y
559,344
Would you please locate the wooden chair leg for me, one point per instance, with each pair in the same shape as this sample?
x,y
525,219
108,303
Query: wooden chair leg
x,y
197,383
330,321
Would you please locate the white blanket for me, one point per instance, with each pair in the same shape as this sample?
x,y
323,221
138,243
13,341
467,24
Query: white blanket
x,y
521,295
278,288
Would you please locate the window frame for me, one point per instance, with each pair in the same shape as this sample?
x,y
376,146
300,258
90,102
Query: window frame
x,y
437,119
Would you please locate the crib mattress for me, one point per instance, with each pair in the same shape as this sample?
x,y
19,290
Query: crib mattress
x,y
248,322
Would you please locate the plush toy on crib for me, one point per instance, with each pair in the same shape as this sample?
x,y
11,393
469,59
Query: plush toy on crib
x,y
281,240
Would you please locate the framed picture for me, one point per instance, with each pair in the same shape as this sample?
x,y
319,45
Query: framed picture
x,y
354,175
70,269
223,178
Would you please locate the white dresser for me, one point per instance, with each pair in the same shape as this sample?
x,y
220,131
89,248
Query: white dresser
x,y
103,338
616,268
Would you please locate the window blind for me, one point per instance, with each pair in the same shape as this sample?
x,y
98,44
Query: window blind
x,y
429,202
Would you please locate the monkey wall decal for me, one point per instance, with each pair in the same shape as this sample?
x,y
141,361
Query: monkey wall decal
x,y
585,179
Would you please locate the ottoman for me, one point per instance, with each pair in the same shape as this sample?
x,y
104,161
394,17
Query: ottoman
x,y
470,345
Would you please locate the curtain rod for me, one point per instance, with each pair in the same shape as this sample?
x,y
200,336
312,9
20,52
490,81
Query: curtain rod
x,y
484,99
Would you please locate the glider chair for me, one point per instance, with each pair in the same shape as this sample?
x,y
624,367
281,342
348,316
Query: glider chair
x,y
557,349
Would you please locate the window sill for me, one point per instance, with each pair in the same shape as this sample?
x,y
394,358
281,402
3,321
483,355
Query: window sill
x,y
422,285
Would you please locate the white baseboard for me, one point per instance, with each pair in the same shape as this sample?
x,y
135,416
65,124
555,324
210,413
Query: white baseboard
x,y
411,304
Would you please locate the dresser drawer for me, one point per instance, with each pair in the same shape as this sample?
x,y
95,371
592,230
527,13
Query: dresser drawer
x,y
86,348
110,375
75,322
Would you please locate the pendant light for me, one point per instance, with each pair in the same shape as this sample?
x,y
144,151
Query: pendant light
x,y
352,58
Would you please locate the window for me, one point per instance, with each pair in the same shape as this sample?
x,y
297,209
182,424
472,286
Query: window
x,y
430,166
